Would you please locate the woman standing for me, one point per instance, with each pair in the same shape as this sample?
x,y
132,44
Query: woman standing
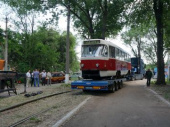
x,y
48,78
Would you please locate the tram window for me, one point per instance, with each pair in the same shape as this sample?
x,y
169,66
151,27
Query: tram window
x,y
120,54
112,52
123,56
104,51
117,53
92,50
128,58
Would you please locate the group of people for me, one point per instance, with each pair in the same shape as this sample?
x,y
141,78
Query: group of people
x,y
33,78
35,75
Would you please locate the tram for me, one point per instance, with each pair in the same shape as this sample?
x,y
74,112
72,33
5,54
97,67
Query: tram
x,y
101,59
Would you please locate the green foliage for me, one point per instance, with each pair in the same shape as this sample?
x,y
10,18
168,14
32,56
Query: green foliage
x,y
154,14
95,18
153,83
150,66
1,43
45,49
1,35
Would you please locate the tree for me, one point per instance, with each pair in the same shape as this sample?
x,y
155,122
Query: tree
x,y
95,18
134,38
158,10
1,43
149,11
46,52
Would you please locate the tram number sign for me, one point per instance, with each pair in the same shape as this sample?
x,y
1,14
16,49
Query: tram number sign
x,y
92,42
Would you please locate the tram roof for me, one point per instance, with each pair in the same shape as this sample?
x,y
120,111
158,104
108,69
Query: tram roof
x,y
105,42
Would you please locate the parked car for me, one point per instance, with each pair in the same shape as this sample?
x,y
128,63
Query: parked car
x,y
57,77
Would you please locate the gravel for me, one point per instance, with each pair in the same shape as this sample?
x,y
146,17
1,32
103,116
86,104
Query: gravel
x,y
59,106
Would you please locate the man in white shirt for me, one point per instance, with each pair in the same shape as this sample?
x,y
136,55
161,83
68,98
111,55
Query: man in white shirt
x,y
28,78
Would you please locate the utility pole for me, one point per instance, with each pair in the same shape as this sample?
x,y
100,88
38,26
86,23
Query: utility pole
x,y
6,46
67,46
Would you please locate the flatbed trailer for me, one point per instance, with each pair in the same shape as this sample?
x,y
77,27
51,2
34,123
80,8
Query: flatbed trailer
x,y
102,85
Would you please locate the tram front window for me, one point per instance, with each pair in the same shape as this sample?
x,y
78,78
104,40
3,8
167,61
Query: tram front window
x,y
94,50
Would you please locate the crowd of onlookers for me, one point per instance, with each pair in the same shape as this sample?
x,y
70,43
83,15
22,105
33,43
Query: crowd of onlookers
x,y
34,78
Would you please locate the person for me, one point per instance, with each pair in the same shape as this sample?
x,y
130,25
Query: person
x,y
36,77
148,76
43,77
48,78
32,78
28,78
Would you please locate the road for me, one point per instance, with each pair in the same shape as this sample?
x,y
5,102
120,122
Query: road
x,y
131,106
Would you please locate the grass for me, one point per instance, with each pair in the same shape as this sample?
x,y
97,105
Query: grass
x,y
74,78
66,85
163,90
36,120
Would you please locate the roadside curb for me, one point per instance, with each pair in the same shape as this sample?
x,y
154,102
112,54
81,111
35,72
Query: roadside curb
x,y
70,114
160,97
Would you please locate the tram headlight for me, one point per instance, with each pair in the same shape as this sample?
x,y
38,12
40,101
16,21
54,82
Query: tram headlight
x,y
97,65
82,65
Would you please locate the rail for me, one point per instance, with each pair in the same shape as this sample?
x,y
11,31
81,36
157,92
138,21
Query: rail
x,y
18,105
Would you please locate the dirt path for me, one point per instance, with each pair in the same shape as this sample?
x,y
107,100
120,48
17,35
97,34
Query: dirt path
x,y
132,106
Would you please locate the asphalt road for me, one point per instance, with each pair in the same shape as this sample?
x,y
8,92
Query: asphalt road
x,y
131,106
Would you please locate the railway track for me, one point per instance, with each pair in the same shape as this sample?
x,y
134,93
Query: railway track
x,y
24,103
27,118
35,114
20,122
32,115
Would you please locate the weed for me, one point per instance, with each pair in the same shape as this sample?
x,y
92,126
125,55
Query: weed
x,y
153,82
66,85
36,120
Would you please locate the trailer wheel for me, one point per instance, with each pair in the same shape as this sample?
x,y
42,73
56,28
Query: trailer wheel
x,y
121,84
118,74
115,86
111,90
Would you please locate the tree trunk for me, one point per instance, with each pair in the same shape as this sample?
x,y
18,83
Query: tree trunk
x,y
158,9
105,9
139,53
91,31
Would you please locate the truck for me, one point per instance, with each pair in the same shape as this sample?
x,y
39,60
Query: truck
x,y
137,69
137,73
